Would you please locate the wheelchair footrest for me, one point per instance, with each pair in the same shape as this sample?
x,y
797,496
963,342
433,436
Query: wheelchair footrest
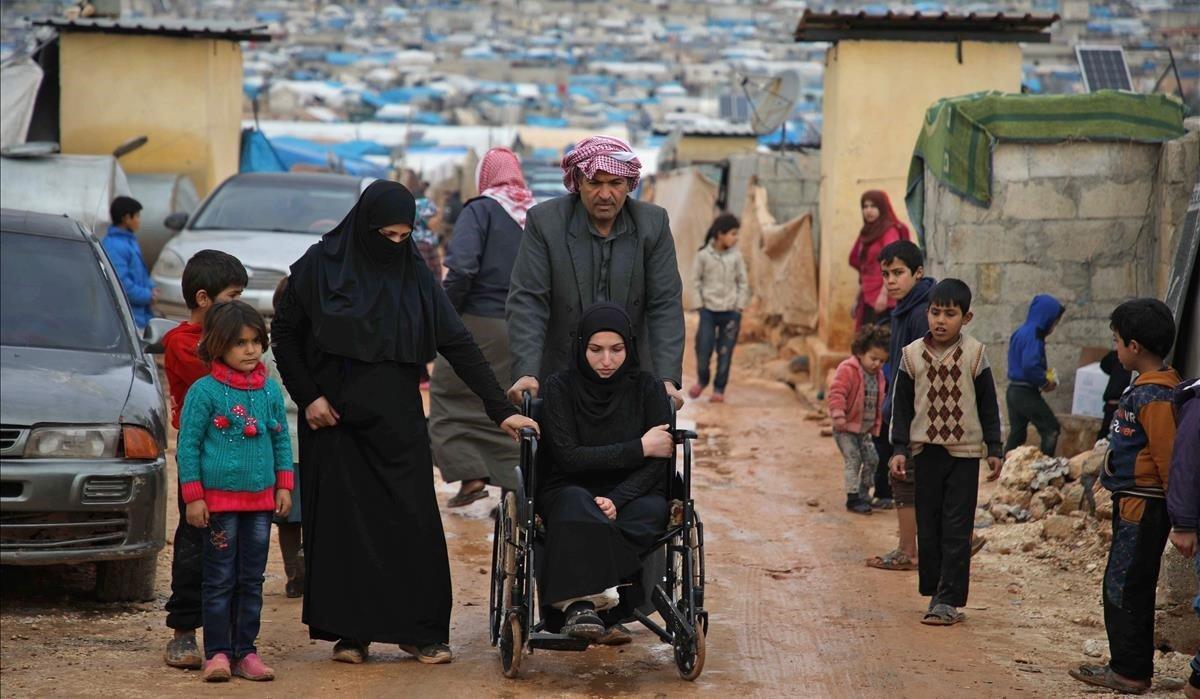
x,y
676,622
557,641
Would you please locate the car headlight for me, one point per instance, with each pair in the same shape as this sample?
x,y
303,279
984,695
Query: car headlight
x,y
67,442
169,264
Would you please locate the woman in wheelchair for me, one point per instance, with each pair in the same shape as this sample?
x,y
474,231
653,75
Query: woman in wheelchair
x,y
602,497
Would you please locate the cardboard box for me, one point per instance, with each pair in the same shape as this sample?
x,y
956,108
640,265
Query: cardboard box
x,y
1088,398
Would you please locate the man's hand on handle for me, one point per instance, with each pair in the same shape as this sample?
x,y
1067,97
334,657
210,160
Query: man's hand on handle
x,y
525,383
674,393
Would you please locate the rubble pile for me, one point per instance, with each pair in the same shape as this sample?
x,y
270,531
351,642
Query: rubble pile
x,y
1034,486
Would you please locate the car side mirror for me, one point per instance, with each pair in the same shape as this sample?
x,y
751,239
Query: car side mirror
x,y
153,334
176,221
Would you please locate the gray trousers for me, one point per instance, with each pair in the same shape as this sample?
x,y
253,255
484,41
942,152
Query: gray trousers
x,y
858,452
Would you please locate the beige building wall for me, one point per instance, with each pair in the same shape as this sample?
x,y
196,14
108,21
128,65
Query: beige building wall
x,y
712,149
184,94
876,96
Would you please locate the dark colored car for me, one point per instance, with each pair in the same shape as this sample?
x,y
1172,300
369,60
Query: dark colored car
x,y
82,419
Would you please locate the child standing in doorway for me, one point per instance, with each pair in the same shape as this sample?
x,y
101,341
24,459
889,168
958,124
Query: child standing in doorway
x,y
235,471
720,280
856,406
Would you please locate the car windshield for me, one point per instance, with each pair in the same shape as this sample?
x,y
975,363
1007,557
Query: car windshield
x,y
53,293
283,207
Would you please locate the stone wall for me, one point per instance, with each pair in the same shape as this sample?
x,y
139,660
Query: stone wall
x,y
1085,222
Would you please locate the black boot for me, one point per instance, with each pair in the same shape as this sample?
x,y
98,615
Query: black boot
x,y
857,505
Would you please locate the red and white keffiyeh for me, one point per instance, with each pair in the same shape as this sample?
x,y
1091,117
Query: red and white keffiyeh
x,y
499,177
601,154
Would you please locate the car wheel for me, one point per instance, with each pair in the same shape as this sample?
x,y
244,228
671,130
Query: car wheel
x,y
126,581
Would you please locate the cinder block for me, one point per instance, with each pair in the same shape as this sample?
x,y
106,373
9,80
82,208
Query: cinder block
x,y
1035,200
1070,159
1023,281
1106,199
1087,241
1181,159
990,242
1010,163
1115,283
991,277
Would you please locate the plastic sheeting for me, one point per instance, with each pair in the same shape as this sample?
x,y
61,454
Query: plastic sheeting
x,y
21,79
690,199
779,258
79,186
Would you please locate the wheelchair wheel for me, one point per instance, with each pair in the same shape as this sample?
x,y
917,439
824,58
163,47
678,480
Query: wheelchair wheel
x,y
496,593
689,656
512,643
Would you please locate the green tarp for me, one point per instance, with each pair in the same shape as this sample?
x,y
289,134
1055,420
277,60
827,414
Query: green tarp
x,y
960,133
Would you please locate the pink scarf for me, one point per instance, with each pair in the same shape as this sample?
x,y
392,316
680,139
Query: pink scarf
x,y
499,177
251,381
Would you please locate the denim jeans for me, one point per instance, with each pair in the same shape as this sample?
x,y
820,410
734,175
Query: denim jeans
x,y
719,330
235,557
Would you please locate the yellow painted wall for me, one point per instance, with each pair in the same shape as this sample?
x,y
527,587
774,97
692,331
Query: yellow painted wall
x,y
184,94
876,95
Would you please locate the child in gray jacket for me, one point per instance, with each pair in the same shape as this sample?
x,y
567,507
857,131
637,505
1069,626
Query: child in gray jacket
x,y
720,280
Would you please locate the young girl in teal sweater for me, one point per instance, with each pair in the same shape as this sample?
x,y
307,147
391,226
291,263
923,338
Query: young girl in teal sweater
x,y
235,471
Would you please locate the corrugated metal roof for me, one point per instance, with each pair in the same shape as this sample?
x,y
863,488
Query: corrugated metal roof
x,y
163,26
945,26
708,129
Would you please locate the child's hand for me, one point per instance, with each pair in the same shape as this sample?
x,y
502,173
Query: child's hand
x,y
995,463
197,513
1185,542
1050,386
897,466
839,423
283,502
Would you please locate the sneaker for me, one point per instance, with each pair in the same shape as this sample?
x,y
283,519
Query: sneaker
x,y
432,654
182,652
349,651
695,391
883,503
216,668
616,635
717,398
254,669
857,505
582,622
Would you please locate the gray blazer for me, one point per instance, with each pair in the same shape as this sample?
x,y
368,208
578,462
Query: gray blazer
x,y
552,284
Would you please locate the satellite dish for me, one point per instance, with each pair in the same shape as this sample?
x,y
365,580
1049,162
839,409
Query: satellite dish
x,y
771,99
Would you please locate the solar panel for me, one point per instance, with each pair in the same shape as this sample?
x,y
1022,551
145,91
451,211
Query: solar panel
x,y
1104,68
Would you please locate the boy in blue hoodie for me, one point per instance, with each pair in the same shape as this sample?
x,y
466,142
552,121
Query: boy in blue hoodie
x,y
1028,379
126,257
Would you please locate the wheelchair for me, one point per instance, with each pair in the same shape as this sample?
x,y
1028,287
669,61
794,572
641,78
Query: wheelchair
x,y
673,567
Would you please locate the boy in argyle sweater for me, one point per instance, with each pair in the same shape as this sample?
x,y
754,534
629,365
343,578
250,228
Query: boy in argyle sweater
x,y
945,419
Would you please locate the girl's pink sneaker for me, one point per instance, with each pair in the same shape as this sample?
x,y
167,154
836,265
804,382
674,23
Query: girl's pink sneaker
x,y
216,668
254,669
695,391
717,398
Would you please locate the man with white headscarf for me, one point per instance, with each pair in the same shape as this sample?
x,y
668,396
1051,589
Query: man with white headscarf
x,y
595,244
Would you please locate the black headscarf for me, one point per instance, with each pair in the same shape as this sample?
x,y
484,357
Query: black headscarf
x,y
369,298
597,398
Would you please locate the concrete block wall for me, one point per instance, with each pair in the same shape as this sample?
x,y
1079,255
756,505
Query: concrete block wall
x,y
1075,220
792,181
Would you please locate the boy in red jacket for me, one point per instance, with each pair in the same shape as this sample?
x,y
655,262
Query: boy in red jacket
x,y
210,276
856,406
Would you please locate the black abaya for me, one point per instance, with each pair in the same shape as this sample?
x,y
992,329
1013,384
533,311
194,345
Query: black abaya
x,y
592,430
374,550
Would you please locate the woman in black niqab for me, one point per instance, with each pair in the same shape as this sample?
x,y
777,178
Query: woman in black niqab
x,y
593,429
352,333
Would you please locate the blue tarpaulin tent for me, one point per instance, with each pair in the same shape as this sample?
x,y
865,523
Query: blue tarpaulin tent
x,y
284,153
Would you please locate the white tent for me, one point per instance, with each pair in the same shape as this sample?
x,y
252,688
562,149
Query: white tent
x,y
21,79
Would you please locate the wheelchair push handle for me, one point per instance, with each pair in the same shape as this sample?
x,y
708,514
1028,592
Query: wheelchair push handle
x,y
679,435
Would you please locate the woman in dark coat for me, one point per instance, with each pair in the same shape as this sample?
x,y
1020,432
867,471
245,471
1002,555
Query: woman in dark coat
x,y
359,320
604,478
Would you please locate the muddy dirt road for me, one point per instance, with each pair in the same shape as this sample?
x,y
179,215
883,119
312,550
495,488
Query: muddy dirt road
x,y
794,611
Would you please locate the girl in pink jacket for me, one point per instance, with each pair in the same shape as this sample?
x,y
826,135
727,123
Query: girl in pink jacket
x,y
856,405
